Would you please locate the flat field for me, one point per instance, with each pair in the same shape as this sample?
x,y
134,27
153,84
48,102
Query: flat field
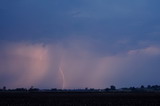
x,y
78,99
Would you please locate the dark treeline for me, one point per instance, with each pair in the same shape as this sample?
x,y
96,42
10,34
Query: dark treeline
x,y
112,88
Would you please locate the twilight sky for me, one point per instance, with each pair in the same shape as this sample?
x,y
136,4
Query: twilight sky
x,y
79,43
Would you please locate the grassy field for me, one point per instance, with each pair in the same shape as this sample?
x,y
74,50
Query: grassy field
x,y
78,99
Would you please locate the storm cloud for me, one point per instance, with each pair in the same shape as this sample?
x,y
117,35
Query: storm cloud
x,y
96,43
24,64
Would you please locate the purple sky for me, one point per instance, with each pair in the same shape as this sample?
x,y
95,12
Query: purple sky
x,y
79,43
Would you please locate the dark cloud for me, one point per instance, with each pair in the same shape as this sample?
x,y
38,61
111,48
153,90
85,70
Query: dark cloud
x,y
57,19
105,39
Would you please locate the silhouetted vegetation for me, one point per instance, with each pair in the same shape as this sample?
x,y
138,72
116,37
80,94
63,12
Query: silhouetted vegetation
x,y
149,88
133,96
112,87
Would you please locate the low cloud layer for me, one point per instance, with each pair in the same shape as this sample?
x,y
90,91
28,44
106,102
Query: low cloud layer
x,y
25,64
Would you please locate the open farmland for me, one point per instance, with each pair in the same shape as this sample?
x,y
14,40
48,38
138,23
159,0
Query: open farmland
x,y
78,99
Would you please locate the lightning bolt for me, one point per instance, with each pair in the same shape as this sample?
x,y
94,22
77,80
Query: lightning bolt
x,y
62,74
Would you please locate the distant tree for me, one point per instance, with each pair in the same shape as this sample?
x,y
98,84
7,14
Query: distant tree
x,y
106,89
4,88
112,87
149,87
33,89
91,89
132,88
54,89
155,87
142,87
86,89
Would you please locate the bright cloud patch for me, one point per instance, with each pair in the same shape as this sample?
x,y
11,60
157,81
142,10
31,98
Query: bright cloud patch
x,y
69,66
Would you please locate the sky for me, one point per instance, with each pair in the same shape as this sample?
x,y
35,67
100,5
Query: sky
x,y
73,44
